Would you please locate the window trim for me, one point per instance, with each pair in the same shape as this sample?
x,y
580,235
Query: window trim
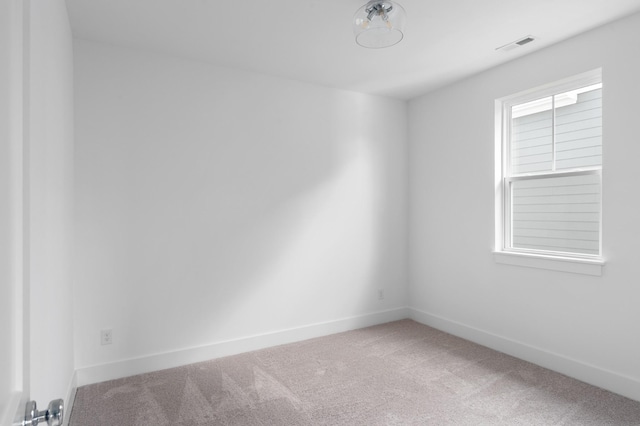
x,y
553,263
559,261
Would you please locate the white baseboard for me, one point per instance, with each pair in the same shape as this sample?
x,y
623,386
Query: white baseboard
x,y
70,398
130,367
10,413
614,382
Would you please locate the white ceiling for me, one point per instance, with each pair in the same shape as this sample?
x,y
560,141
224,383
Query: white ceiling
x,y
312,40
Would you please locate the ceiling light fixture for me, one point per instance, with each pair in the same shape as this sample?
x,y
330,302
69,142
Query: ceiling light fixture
x,y
379,23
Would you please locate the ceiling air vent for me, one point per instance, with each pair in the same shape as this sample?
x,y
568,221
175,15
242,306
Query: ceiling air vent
x,y
515,44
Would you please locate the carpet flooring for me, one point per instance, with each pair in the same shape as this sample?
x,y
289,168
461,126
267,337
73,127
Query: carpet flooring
x,y
401,373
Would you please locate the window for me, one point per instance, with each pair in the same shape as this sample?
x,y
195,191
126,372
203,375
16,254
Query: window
x,y
550,177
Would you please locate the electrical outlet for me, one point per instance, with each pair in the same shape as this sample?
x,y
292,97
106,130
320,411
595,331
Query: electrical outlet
x,y
106,336
380,294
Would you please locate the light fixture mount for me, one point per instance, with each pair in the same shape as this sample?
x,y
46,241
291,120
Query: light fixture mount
x,y
379,23
378,8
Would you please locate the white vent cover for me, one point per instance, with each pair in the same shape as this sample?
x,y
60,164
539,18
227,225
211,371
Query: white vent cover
x,y
515,44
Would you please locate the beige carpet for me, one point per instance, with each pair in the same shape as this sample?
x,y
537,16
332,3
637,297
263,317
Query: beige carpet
x,y
401,373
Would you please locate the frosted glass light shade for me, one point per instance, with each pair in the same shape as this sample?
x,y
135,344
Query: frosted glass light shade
x,y
378,24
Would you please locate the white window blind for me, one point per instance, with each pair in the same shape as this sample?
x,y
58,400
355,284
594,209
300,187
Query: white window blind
x,y
552,179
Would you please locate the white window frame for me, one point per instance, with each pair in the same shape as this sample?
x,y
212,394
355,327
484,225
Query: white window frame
x,y
503,252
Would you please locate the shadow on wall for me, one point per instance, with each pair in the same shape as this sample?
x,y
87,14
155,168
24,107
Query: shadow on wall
x,y
241,214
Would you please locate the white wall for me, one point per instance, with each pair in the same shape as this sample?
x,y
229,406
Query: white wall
x,y
11,212
553,318
50,192
214,205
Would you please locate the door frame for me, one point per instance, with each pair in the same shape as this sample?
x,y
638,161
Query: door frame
x,y
15,226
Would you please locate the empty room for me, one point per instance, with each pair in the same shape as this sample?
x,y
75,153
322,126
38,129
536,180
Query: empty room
x,y
319,212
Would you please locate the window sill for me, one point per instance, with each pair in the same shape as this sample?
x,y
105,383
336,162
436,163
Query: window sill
x,y
554,263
